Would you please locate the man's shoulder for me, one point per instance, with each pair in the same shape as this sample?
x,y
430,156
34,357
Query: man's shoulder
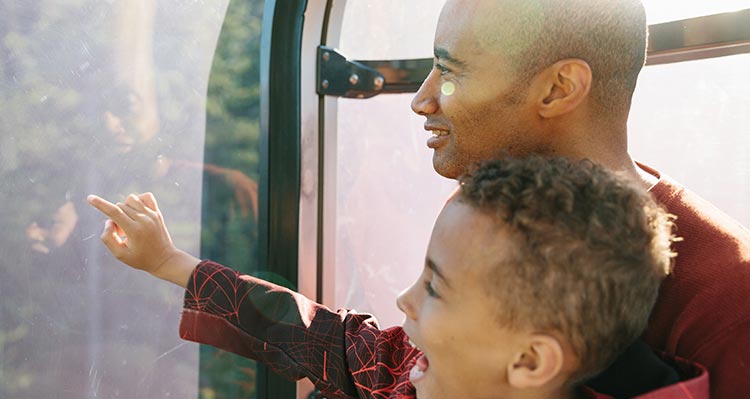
x,y
703,310
713,249
701,226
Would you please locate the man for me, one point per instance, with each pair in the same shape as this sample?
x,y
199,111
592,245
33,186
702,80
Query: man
x,y
556,78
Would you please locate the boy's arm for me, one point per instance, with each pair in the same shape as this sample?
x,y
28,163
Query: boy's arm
x,y
137,235
343,353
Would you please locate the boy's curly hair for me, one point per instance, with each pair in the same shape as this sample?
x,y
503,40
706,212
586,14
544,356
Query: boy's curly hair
x,y
591,249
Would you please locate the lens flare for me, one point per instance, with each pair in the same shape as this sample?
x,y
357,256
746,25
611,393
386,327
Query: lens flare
x,y
448,89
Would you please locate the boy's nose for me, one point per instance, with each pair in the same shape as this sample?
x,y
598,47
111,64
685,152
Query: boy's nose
x,y
425,101
404,303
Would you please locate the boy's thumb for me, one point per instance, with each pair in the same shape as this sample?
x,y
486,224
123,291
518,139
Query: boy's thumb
x,y
112,240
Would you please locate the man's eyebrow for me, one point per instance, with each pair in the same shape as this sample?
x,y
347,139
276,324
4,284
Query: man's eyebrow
x,y
443,54
435,269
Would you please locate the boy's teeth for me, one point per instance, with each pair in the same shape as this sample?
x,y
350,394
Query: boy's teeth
x,y
438,133
419,368
416,373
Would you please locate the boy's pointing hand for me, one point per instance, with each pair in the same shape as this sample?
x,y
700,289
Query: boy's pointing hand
x,y
137,235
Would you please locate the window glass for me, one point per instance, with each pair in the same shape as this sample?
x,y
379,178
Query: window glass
x,y
111,98
389,29
659,11
388,197
229,233
690,121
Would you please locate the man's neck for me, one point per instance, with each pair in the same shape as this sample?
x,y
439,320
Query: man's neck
x,y
630,168
648,180
618,161
604,142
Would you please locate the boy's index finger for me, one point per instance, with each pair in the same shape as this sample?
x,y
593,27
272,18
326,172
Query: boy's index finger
x,y
104,206
113,211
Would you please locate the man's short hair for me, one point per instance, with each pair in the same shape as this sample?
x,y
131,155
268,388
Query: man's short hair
x,y
610,35
590,249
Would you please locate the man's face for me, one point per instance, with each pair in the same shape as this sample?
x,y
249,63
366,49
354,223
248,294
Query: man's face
x,y
475,106
450,317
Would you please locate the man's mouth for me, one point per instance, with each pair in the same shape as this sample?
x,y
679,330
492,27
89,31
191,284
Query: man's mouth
x,y
439,137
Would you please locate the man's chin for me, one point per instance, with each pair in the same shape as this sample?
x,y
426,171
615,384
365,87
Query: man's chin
x,y
445,169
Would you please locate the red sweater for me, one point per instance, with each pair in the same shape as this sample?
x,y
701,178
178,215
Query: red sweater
x,y
703,310
343,353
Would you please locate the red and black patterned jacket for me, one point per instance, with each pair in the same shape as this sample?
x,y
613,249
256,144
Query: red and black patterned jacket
x,y
343,353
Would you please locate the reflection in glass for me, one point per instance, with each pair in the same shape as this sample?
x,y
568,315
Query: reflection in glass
x,y
106,98
230,179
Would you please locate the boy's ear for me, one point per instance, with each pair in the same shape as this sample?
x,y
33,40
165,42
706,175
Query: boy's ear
x,y
540,362
562,87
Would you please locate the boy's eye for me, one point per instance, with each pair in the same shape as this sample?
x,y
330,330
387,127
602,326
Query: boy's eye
x,y
430,290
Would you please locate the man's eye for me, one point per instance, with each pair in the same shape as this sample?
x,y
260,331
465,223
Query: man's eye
x,y
442,68
430,291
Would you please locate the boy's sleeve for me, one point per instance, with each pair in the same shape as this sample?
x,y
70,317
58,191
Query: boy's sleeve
x,y
343,353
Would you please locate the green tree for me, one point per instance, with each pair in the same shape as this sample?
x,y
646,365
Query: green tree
x,y
230,230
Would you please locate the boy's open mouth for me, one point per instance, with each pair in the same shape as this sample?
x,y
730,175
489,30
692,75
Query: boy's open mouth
x,y
420,367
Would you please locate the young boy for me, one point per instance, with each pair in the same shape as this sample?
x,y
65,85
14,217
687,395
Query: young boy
x,y
539,272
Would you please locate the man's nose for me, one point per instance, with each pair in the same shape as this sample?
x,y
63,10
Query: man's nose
x,y
425,102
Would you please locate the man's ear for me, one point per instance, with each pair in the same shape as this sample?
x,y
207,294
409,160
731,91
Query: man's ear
x,y
540,361
563,86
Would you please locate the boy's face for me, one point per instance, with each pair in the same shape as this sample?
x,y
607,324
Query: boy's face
x,y
450,317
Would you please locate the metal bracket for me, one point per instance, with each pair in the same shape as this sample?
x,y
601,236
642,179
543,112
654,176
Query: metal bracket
x,y
340,77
